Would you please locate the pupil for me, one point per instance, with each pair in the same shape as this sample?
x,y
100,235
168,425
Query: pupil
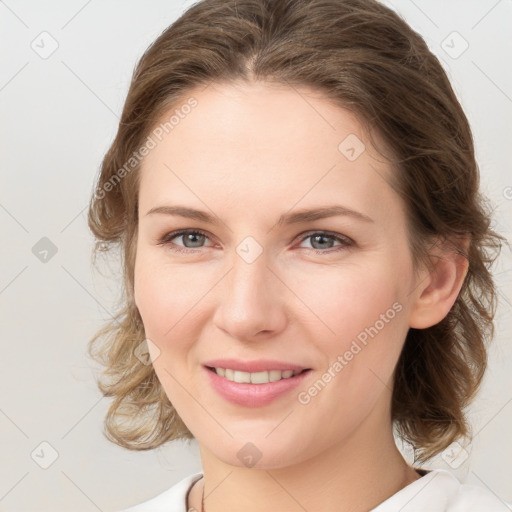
x,y
194,235
320,237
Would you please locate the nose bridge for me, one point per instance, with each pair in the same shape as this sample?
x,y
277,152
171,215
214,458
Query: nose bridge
x,y
249,298
249,278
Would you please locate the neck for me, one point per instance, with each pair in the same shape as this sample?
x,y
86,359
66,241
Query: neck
x,y
354,475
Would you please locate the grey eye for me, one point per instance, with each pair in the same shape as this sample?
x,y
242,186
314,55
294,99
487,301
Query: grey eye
x,y
192,240
321,241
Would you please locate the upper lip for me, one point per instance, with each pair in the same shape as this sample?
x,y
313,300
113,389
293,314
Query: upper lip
x,y
259,365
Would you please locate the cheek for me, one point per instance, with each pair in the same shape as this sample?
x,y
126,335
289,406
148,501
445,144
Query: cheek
x,y
168,301
330,309
364,325
164,295
349,299
338,302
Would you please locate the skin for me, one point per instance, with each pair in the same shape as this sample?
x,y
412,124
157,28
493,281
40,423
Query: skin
x,y
247,154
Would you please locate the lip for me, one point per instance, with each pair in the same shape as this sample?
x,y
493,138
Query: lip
x,y
253,395
258,365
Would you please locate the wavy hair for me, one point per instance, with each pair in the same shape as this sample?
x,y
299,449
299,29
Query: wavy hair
x,y
364,57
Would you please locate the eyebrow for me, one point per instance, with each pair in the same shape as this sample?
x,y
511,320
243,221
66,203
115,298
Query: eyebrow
x,y
298,216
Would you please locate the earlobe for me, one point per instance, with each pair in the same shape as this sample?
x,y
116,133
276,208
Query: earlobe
x,y
439,287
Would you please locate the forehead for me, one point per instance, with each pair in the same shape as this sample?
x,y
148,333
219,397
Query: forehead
x,y
262,115
260,145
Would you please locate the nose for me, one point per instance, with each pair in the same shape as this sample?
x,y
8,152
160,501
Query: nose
x,y
251,301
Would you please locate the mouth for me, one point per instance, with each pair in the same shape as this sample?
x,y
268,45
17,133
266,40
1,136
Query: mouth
x,y
256,388
261,377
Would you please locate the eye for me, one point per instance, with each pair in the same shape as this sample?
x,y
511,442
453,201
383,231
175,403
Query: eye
x,y
324,240
194,237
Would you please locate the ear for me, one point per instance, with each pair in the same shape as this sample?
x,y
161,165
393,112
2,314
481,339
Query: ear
x,y
439,284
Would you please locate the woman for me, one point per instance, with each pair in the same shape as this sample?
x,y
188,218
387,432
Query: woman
x,y
254,133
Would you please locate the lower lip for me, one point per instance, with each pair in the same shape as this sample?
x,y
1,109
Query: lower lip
x,y
253,395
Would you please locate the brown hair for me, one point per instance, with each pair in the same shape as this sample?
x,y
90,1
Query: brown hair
x,y
364,57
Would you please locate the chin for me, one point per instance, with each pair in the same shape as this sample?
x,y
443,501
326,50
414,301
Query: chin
x,y
260,453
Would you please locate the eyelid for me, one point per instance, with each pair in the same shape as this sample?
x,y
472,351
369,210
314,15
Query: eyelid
x,y
167,237
344,239
338,236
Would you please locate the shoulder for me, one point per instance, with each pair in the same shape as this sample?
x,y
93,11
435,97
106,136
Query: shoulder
x,y
440,491
469,498
174,497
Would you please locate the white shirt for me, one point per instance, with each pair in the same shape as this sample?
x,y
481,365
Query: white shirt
x,y
437,491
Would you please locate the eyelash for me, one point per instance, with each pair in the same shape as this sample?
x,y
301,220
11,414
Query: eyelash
x,y
166,240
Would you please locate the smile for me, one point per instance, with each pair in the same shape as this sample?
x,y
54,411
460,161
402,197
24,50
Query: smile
x,y
263,377
256,388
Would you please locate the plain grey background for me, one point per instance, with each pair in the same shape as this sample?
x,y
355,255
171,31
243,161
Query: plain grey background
x,y
65,72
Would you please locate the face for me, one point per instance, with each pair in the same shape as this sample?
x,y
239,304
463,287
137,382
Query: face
x,y
328,295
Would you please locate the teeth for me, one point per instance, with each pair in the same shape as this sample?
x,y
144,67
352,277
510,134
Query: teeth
x,y
256,377
242,377
274,375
